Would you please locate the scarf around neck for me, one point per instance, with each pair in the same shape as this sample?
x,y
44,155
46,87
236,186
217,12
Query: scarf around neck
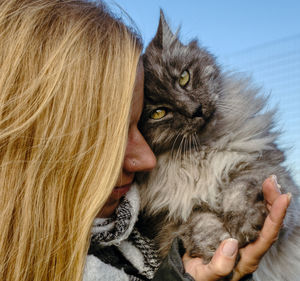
x,y
120,231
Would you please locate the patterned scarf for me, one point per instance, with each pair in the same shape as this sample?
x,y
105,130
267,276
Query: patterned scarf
x,y
119,231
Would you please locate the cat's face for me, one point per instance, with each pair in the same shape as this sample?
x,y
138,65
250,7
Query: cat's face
x,y
182,86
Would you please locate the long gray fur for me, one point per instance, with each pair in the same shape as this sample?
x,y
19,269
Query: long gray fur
x,y
215,147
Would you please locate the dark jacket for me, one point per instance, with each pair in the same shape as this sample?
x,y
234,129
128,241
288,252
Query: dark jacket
x,y
171,268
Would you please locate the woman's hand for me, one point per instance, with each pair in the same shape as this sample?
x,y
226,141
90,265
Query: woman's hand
x,y
224,259
252,253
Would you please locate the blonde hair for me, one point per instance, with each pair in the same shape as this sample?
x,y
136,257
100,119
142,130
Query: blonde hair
x,y
67,71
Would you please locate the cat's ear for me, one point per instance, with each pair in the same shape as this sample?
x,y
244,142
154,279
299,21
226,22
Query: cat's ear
x,y
164,35
194,44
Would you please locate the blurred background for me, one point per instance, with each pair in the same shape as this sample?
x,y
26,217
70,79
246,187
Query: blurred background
x,y
260,38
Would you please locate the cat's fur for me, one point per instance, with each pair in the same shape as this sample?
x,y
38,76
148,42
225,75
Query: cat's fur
x,y
214,148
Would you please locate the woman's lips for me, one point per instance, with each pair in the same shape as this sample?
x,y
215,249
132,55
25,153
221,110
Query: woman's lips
x,y
119,191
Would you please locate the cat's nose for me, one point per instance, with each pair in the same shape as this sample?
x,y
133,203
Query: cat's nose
x,y
198,112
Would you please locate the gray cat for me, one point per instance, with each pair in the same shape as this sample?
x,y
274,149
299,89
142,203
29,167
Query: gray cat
x,y
215,144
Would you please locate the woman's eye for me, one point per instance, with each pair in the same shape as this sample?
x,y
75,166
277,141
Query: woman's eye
x,y
158,113
184,78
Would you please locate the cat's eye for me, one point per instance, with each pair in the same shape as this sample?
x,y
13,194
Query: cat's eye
x,y
158,113
184,78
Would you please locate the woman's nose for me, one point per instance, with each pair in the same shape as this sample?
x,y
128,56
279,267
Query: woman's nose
x,y
138,156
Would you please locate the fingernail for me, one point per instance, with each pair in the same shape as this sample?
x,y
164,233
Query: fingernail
x,y
230,247
278,186
289,195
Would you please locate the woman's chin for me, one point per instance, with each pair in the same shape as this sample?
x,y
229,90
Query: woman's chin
x,y
113,201
109,208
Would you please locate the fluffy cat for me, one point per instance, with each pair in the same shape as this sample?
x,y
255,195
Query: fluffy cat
x,y
215,144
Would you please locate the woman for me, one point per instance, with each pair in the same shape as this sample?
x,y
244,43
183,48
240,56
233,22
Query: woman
x,y
67,72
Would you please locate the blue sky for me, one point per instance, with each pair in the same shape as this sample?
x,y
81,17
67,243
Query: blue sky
x,y
225,26
259,37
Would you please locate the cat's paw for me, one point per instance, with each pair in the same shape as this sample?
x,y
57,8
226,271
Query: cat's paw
x,y
245,225
254,221
203,235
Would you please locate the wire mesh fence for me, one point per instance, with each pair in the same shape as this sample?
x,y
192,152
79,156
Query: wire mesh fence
x,y
276,67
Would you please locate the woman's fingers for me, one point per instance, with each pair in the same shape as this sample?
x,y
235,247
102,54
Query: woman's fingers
x,y
271,190
272,225
221,264
252,253
278,205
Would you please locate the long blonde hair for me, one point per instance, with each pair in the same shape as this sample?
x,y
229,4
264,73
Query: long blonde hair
x,y
67,71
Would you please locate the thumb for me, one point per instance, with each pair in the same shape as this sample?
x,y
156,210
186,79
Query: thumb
x,y
221,264
223,260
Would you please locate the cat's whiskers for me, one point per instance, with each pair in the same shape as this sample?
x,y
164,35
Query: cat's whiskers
x,y
179,150
185,146
194,148
190,147
182,151
197,145
173,146
193,142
